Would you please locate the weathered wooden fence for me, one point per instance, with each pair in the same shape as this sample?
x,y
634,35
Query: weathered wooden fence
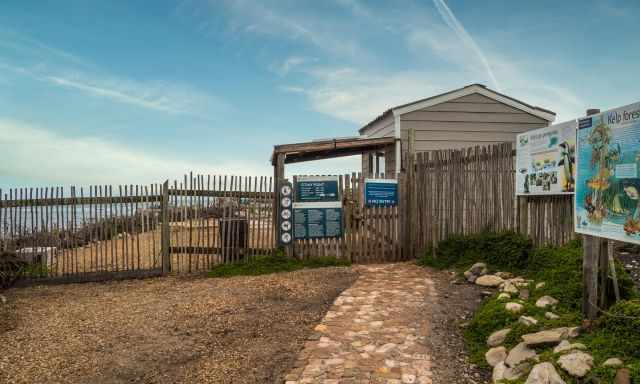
x,y
471,190
98,233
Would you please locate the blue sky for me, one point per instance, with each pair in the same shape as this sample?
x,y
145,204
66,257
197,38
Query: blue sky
x,y
138,91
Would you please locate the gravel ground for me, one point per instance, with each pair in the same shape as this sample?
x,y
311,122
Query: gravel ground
x,y
164,330
454,307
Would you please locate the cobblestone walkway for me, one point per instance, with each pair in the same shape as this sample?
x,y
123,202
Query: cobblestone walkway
x,y
375,332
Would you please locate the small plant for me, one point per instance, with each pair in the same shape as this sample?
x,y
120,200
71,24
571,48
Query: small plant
x,y
266,264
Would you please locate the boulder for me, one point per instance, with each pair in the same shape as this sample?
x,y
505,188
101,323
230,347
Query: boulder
x,y
551,316
519,354
544,373
501,372
613,362
498,337
550,336
546,301
509,287
470,277
514,307
576,364
565,346
495,355
489,281
528,320
504,296
478,269
524,294
540,285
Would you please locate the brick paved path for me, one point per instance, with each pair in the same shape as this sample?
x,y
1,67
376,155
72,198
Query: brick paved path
x,y
375,332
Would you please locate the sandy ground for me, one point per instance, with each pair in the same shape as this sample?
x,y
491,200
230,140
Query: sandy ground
x,y
164,330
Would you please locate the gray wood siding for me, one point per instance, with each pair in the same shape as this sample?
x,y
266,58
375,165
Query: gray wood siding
x,y
382,128
467,121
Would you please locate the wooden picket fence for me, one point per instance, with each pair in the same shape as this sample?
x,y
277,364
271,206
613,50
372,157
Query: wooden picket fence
x,y
100,233
472,190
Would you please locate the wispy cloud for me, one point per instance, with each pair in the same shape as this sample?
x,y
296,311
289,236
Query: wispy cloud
x,y
291,63
160,96
464,36
43,157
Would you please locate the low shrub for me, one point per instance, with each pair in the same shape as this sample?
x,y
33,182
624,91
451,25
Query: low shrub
x,y
261,265
619,329
506,250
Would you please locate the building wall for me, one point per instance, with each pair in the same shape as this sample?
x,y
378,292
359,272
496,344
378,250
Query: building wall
x,y
465,122
389,161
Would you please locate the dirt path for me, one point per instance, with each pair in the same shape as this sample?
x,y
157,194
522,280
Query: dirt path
x,y
165,330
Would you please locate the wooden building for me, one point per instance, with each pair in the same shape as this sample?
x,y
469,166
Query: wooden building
x,y
465,117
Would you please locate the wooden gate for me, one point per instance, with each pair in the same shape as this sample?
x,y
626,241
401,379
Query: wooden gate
x,y
370,234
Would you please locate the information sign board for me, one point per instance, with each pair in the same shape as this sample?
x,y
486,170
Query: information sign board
x,y
380,192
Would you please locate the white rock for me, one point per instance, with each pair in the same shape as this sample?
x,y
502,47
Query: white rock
x,y
551,316
576,364
518,354
495,355
550,336
504,296
565,346
528,320
509,287
612,362
489,281
514,307
504,275
502,372
540,285
478,269
498,337
546,301
544,373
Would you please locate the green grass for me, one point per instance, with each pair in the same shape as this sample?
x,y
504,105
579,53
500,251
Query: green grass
x,y
616,334
262,265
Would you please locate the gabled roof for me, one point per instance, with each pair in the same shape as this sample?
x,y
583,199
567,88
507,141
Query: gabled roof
x,y
460,92
327,149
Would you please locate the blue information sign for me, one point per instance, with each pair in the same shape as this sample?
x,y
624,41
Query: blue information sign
x,y
317,220
317,189
380,192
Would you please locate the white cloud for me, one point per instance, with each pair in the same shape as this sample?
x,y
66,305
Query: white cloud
x,y
164,97
465,37
291,63
43,157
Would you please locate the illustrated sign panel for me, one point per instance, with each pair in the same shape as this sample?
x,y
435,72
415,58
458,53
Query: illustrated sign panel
x,y
316,188
545,160
607,200
380,192
317,210
317,220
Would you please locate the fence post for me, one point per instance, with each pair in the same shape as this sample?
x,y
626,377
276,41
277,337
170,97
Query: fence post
x,y
164,231
523,215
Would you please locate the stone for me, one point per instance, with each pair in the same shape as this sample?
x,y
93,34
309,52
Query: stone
x,y
576,364
551,336
613,362
478,269
470,277
546,301
3,299
504,275
489,281
386,348
509,287
524,294
551,316
498,337
495,355
321,328
408,378
565,346
528,320
540,285
623,376
502,372
514,307
574,332
519,354
544,373
504,296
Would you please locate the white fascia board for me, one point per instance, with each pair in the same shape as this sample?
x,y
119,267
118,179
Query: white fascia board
x,y
550,117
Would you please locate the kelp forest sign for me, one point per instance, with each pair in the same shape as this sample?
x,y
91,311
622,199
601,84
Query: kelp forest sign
x,y
545,160
607,180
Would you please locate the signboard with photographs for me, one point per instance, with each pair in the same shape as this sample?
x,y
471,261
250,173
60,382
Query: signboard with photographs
x,y
545,160
607,202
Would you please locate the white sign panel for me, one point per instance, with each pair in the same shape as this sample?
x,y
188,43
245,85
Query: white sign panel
x,y
545,160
